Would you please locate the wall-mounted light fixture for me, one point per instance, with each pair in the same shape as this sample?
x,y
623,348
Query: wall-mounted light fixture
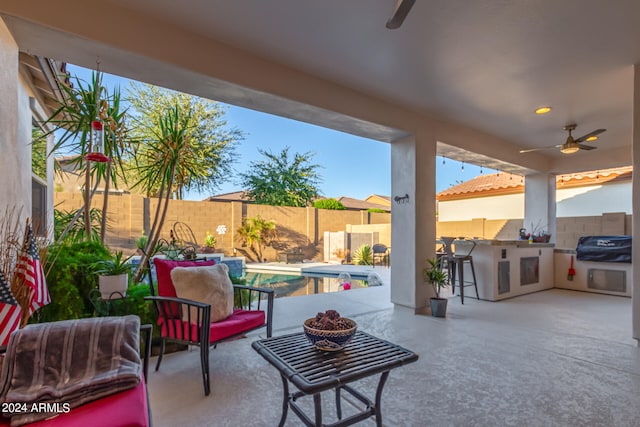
x,y
401,199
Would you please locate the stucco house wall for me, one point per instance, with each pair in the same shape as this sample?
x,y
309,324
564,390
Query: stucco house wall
x,y
15,131
594,200
489,207
591,200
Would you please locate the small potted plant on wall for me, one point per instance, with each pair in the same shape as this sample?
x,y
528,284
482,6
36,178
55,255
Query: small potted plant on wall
x,y
209,246
113,275
439,280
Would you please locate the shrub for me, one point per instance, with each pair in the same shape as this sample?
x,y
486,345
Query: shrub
x,y
363,255
332,204
70,279
376,210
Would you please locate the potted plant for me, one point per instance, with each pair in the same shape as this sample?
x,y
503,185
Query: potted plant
x,y
113,275
439,280
209,246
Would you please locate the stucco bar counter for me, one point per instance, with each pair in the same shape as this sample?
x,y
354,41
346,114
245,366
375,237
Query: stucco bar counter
x,y
508,268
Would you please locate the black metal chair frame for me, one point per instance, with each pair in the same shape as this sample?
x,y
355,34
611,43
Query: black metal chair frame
x,y
244,297
380,251
453,262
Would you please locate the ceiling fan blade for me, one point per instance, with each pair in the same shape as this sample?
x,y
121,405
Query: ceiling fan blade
x,y
586,147
590,134
539,149
400,12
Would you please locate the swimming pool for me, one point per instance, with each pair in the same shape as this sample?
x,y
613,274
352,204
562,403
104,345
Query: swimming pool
x,y
295,285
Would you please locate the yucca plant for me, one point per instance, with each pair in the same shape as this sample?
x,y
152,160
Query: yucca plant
x,y
363,255
84,102
69,226
161,159
435,275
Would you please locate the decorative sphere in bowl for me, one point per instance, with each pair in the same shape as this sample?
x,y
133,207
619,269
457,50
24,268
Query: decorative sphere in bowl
x,y
330,339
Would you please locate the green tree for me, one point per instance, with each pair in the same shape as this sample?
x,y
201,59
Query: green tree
x,y
207,159
39,152
331,204
279,180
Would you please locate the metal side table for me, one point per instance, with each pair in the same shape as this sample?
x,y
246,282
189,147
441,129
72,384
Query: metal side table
x,y
313,371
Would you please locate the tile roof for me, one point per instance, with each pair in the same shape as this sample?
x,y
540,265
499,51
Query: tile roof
x,y
348,202
235,196
484,185
385,200
504,183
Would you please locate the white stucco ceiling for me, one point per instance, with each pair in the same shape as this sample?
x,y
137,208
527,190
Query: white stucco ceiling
x,y
483,63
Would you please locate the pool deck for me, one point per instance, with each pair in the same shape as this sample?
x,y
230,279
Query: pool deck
x,y
321,268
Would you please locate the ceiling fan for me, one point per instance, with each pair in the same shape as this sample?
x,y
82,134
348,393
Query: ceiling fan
x,y
400,12
572,145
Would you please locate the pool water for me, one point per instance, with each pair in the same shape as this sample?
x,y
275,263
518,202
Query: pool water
x,y
295,285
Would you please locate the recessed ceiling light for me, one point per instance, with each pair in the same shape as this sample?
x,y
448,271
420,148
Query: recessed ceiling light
x,y
591,138
543,110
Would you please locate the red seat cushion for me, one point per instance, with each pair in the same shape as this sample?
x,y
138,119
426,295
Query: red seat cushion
x,y
240,321
165,285
125,409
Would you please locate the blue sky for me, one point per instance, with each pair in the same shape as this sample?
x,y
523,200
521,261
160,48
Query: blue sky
x,y
351,166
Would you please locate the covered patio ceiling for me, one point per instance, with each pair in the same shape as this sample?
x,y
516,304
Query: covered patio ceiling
x,y
480,66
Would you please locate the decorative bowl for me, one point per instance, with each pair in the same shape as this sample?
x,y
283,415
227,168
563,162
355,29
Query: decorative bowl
x,y
330,340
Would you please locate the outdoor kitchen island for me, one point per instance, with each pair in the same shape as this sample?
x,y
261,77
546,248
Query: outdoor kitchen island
x,y
508,268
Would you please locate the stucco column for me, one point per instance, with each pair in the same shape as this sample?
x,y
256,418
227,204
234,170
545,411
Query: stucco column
x,y
413,220
635,148
540,204
15,161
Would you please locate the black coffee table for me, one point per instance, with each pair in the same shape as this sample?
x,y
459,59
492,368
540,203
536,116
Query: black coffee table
x,y
313,371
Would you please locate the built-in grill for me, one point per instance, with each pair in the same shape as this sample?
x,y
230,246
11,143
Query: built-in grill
x,y
604,249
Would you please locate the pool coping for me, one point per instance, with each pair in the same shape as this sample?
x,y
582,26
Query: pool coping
x,y
317,268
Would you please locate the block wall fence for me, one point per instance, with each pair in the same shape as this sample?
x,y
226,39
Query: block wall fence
x,y
129,216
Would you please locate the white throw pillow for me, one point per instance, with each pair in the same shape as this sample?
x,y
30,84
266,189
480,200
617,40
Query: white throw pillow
x,y
208,284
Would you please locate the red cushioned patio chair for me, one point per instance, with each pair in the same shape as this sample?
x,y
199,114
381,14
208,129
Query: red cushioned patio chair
x,y
248,314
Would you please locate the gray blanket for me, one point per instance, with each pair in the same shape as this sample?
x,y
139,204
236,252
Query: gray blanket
x,y
69,362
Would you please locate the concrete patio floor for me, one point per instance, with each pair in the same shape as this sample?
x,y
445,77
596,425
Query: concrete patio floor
x,y
553,358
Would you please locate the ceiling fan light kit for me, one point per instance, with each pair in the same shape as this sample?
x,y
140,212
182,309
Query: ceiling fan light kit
x,y
569,148
543,110
572,145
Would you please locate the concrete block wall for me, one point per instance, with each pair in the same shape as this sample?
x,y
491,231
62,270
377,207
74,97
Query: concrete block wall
x,y
305,227
480,227
570,229
297,227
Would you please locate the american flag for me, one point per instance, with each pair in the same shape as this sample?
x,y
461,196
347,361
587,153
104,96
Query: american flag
x,y
10,311
5,291
10,316
29,269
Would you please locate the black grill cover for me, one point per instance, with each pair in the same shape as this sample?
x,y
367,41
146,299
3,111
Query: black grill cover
x,y
604,248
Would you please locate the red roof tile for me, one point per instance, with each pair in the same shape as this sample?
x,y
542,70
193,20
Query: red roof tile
x,y
505,183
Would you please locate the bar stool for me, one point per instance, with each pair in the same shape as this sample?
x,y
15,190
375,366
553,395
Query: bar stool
x,y
444,257
454,261
461,255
